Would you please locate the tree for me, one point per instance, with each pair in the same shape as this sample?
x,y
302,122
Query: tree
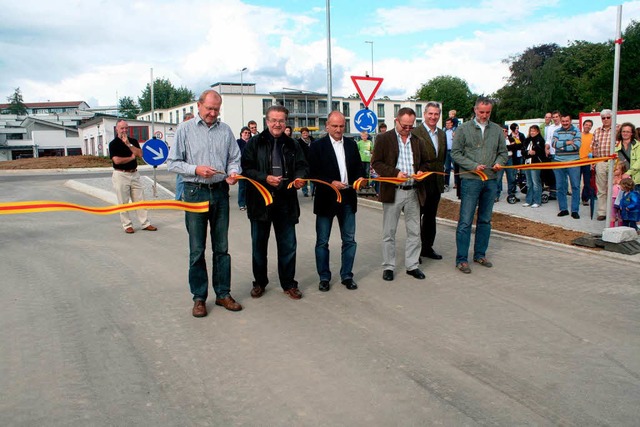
x,y
452,92
165,95
127,107
16,104
629,96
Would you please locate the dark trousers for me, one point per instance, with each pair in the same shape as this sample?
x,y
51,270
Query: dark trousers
x,y
428,220
285,230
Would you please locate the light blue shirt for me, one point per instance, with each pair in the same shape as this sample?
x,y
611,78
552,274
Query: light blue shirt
x,y
197,144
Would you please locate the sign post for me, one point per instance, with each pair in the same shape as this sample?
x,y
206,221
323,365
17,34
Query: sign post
x,y
155,152
365,119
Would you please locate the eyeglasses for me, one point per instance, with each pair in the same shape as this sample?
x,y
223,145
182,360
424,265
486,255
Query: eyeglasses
x,y
406,127
606,118
279,122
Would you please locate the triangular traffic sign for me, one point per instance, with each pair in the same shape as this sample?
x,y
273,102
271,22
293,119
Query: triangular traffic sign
x,y
366,87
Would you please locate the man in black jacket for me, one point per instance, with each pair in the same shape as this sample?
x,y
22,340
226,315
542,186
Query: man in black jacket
x,y
274,160
335,160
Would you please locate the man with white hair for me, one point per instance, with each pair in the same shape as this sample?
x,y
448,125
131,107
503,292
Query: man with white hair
x,y
601,147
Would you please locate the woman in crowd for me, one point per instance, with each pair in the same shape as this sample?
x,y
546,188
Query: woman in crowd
x,y
534,152
625,138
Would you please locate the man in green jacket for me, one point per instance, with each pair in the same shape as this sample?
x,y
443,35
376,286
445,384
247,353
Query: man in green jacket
x,y
480,151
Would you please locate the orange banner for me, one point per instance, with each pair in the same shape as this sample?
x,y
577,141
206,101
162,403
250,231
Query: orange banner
x,y
338,195
266,195
54,206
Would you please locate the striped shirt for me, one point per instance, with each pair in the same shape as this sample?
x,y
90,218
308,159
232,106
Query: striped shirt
x,y
197,144
405,157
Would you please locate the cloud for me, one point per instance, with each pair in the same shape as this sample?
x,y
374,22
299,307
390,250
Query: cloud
x,y
90,50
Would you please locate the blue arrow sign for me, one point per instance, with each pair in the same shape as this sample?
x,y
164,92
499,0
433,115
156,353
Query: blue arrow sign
x,y
155,152
366,120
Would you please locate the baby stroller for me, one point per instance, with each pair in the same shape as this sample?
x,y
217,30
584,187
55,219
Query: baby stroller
x,y
521,183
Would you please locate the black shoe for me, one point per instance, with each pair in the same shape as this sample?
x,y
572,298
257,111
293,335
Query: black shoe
x,y
324,286
350,284
563,213
431,254
416,273
387,275
575,215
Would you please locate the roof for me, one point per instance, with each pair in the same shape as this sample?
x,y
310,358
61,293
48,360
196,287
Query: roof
x,y
48,104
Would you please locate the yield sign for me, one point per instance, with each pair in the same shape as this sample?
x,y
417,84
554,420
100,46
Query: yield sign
x,y
366,87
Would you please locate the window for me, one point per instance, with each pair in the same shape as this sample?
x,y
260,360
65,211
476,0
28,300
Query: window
x,y
396,108
301,106
361,106
266,103
345,109
418,122
335,105
177,117
419,110
347,126
322,123
170,117
288,104
311,106
322,107
380,110
311,122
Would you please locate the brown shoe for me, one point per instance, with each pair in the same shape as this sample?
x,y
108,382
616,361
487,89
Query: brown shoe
x,y
150,228
257,291
129,230
229,303
293,293
601,218
199,309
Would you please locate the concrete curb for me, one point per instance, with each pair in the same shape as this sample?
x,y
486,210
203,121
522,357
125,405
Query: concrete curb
x,y
104,195
622,259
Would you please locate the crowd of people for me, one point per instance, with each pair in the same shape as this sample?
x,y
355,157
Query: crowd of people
x,y
209,159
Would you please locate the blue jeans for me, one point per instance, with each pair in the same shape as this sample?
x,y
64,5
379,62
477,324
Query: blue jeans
x,y
179,187
534,184
511,179
242,193
475,193
561,186
285,231
587,191
448,167
218,219
347,223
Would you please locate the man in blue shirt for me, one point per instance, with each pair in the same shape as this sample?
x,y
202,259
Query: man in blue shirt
x,y
566,143
208,157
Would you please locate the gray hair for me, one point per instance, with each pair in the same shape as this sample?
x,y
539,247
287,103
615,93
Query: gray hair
x,y
606,112
434,105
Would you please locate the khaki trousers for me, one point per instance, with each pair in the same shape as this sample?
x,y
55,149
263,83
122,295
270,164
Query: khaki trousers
x,y
128,187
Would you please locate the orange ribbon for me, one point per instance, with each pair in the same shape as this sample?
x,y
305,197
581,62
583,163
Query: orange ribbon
x,y
266,194
338,195
54,206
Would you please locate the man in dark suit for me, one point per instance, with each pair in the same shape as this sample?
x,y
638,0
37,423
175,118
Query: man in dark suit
x,y
436,146
398,154
336,160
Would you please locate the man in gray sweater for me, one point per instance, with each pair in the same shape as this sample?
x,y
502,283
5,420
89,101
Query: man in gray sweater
x,y
480,151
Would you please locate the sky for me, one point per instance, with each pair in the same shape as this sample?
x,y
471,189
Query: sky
x,y
99,50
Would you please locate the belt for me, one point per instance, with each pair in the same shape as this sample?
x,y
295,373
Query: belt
x,y
407,187
201,185
131,171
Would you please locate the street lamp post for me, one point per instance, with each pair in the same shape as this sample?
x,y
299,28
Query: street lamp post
x,y
242,95
371,43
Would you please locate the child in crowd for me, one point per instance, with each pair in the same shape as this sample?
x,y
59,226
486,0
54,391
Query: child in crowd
x,y
628,203
618,171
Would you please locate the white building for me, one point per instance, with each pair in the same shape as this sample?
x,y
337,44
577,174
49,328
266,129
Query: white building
x,y
96,134
241,103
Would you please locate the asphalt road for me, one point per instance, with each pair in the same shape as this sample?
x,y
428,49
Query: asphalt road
x,y
96,329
